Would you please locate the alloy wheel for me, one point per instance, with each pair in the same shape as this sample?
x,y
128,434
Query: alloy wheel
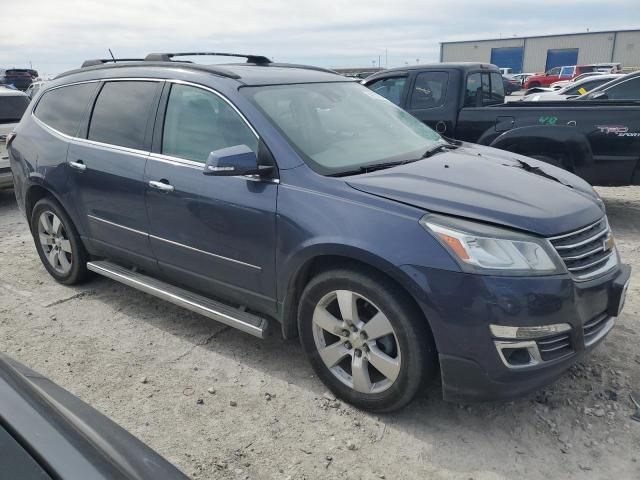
x,y
356,341
55,242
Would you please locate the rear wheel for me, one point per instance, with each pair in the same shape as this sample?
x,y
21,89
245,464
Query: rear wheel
x,y
365,339
58,243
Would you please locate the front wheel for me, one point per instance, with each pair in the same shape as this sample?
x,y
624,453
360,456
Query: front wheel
x,y
365,339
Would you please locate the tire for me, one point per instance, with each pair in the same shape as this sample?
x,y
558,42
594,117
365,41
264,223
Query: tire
x,y
407,355
58,243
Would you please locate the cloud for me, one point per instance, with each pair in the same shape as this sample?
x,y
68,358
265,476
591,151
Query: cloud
x,y
58,35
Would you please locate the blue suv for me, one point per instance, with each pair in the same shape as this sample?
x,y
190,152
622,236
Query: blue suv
x,y
265,194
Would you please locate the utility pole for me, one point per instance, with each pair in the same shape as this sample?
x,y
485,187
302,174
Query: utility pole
x,y
386,58
378,61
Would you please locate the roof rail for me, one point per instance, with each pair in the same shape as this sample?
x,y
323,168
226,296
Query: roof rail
x,y
167,57
102,61
304,67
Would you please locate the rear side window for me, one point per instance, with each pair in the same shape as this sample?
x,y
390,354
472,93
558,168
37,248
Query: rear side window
x,y
63,108
429,90
121,113
12,107
197,122
497,89
389,88
484,89
473,92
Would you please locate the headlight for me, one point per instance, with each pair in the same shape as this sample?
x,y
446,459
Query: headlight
x,y
481,248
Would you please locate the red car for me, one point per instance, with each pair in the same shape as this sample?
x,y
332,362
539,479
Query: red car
x,y
556,74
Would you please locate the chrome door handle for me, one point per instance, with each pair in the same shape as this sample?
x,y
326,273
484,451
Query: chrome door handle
x,y
78,165
162,186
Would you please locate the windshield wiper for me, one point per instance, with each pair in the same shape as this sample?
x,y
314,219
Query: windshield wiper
x,y
443,147
382,166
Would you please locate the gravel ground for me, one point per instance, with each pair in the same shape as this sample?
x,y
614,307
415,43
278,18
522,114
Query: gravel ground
x,y
222,404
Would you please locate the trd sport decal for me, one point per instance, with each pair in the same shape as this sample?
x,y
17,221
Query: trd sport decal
x,y
617,130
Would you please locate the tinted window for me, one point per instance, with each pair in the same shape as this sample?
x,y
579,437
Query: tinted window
x,y
473,93
554,71
63,108
629,90
429,90
497,89
585,87
389,88
12,107
197,122
121,113
484,89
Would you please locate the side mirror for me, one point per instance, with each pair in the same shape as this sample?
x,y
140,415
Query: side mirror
x,y
237,160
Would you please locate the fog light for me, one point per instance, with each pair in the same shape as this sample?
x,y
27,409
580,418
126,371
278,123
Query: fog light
x,y
518,354
539,331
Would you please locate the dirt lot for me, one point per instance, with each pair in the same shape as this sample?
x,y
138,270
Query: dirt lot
x,y
146,364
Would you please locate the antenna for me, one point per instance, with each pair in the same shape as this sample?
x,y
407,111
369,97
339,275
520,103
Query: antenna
x,y
111,53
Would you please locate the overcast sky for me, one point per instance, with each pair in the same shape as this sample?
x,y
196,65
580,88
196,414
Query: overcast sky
x,y
56,35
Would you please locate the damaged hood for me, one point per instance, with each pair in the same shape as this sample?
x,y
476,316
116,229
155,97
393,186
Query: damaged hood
x,y
490,185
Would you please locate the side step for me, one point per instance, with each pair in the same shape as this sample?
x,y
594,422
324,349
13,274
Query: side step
x,y
220,312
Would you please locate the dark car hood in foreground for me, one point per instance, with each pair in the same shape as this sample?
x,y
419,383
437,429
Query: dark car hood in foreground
x,y
490,185
68,438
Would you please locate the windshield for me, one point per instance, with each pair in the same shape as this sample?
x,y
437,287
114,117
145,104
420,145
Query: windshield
x,y
342,127
12,107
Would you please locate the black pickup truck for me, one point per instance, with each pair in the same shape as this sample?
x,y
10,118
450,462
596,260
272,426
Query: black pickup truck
x,y
597,139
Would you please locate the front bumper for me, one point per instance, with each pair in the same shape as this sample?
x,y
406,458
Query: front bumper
x,y
461,307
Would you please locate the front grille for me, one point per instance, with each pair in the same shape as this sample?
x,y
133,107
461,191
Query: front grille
x,y
586,251
554,347
594,327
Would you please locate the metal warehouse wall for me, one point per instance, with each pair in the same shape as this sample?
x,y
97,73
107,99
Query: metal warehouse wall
x,y
475,51
627,50
594,47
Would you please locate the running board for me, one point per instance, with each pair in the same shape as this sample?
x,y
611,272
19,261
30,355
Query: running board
x,y
218,311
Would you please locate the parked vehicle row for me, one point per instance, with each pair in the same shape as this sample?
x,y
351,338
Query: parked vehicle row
x,y
570,90
13,104
569,72
598,139
299,198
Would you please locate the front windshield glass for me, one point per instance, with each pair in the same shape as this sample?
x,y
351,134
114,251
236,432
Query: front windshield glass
x,y
343,127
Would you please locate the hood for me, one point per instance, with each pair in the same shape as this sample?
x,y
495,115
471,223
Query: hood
x,y
490,185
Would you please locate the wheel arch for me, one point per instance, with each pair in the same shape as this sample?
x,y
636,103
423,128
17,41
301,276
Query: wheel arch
x,y
566,144
339,256
34,193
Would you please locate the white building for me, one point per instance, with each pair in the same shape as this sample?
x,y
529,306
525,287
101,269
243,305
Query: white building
x,y
541,53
